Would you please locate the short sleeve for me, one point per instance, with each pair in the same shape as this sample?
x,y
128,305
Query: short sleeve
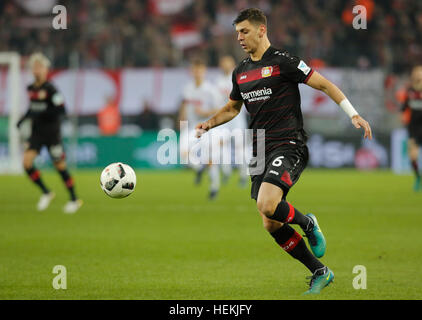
x,y
235,93
295,69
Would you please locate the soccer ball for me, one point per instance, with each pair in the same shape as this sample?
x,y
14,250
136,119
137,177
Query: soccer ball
x,y
118,180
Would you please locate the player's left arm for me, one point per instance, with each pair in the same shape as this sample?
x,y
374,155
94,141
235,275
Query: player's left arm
x,y
317,81
56,102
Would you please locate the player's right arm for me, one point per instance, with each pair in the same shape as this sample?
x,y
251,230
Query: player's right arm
x,y
28,114
225,114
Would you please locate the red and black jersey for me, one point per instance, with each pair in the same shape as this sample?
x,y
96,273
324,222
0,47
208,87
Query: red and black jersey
x,y
413,103
270,92
45,108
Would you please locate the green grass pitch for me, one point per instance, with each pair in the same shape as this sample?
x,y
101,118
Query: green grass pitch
x,y
166,241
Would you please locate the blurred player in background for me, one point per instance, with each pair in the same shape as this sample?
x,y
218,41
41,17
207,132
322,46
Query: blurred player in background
x,y
224,86
267,84
199,101
412,116
45,111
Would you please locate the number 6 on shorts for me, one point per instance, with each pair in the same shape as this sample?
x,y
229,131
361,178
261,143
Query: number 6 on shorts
x,y
277,161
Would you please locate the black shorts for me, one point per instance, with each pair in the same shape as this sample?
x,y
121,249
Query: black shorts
x,y
415,132
53,144
283,167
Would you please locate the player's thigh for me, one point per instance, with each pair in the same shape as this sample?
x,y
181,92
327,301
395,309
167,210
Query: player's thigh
x,y
60,165
413,148
269,196
29,156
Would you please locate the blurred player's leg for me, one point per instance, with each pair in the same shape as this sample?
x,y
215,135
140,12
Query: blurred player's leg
x,y
35,175
57,154
243,168
199,171
413,150
226,168
214,173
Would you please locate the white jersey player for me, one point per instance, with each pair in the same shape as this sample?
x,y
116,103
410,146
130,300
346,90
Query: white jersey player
x,y
200,101
224,85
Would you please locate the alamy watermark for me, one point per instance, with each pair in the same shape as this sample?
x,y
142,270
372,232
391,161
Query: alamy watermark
x,y
60,20
360,20
60,281
359,281
213,147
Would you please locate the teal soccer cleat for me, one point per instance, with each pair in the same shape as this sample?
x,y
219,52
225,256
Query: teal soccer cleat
x,y
320,281
315,237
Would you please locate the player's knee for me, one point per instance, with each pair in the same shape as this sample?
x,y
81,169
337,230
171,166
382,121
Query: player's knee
x,y
413,152
60,165
266,207
27,163
271,225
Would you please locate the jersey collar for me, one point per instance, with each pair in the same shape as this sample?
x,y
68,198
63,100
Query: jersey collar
x,y
266,54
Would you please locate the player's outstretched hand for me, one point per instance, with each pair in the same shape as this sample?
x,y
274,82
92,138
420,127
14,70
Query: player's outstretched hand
x,y
201,128
360,122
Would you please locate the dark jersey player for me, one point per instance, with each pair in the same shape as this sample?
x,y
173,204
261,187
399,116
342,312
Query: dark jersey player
x,y
412,108
45,111
267,83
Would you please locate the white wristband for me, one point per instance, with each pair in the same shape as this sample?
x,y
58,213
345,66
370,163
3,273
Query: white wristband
x,y
348,108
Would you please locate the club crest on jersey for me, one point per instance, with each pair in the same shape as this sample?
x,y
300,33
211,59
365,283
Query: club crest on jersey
x,y
266,72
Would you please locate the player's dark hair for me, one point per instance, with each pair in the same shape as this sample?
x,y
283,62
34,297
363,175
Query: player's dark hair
x,y
253,15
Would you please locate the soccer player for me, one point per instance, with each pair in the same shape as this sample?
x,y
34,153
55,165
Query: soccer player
x,y
413,109
199,102
267,83
45,111
224,86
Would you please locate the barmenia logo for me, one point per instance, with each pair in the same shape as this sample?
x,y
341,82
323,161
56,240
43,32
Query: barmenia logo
x,y
261,94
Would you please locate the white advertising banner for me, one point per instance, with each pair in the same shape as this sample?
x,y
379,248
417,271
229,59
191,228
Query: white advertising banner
x,y
86,91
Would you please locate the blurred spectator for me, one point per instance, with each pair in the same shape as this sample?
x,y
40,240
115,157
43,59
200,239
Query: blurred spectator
x,y
148,119
108,118
139,33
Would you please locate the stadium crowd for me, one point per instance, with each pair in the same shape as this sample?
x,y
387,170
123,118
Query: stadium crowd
x,y
114,33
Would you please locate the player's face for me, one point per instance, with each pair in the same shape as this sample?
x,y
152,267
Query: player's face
x,y
249,35
417,79
198,72
227,64
39,70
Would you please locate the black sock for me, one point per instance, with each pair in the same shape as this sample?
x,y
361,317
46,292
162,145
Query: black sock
x,y
292,242
69,183
415,167
286,213
35,176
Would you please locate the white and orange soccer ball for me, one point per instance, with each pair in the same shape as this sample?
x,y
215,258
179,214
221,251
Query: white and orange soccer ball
x,y
118,180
